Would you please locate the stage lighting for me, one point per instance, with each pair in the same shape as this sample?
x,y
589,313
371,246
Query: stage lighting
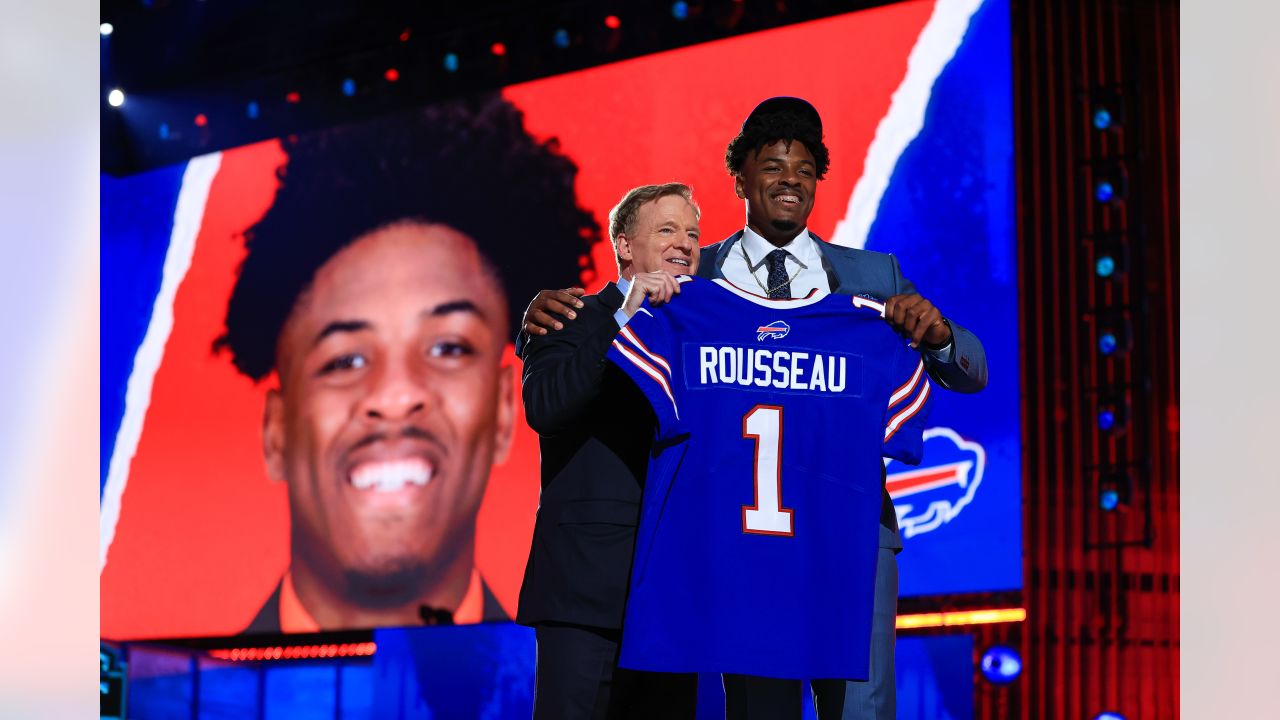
x,y
201,120
451,62
163,131
391,74
1107,343
106,29
251,110
115,98
1106,419
498,49
1108,716
1001,664
680,10
612,22
349,87
1104,191
292,97
561,38
1109,499
1102,118
1105,266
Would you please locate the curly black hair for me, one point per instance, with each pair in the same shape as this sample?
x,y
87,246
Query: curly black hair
x,y
469,164
766,129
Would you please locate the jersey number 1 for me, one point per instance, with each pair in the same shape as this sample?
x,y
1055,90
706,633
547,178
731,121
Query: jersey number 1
x,y
767,516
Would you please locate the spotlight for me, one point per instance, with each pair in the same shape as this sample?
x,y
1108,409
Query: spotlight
x,y
1105,266
106,29
680,10
1107,343
1109,499
391,74
1102,118
1001,665
115,98
201,120
612,22
561,38
1106,419
1104,191
1108,716
251,110
292,97
349,87
451,62
498,49
164,131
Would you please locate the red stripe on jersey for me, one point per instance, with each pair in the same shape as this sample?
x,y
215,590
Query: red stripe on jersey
x,y
907,413
635,340
908,387
649,370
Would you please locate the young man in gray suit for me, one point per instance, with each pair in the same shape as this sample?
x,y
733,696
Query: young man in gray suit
x,y
776,162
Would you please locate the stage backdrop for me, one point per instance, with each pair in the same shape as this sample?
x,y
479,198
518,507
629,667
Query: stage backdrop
x,y
916,105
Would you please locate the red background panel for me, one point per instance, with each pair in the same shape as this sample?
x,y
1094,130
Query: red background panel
x,y
202,536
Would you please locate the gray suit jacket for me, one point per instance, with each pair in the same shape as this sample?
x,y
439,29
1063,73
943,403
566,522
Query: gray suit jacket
x,y
865,272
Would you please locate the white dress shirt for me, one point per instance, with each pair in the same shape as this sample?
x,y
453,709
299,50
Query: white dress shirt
x,y
751,273
803,266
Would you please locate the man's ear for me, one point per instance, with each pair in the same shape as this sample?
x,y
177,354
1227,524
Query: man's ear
x,y
738,188
505,421
624,248
273,434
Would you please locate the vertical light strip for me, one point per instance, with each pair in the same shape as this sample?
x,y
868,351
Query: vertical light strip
x,y
933,51
187,219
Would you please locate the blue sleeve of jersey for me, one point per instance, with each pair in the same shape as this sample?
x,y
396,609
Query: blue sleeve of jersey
x,y
908,410
645,351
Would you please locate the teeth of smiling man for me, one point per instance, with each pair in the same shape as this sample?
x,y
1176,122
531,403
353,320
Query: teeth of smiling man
x,y
679,261
389,476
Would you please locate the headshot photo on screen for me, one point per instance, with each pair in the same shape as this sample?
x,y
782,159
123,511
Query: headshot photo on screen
x,y
375,301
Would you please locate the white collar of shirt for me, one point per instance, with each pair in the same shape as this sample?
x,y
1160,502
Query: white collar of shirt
x,y
624,285
799,247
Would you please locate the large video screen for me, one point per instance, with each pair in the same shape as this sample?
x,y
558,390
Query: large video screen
x,y
228,458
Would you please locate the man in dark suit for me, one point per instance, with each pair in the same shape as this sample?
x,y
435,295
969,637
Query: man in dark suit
x,y
595,430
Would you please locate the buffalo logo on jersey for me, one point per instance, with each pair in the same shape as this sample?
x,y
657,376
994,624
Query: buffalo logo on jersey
x,y
776,330
934,494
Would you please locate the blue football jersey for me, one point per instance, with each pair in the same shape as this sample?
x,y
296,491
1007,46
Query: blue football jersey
x,y
758,536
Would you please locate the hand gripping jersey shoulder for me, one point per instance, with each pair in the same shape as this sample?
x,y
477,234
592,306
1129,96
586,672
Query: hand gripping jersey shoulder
x,y
756,548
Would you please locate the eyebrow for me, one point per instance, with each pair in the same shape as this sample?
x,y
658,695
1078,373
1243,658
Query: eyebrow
x,y
779,159
455,306
341,326
351,326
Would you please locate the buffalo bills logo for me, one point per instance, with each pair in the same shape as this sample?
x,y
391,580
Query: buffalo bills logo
x,y
934,494
776,329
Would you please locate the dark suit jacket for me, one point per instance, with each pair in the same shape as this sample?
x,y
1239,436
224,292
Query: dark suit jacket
x,y
595,431
865,272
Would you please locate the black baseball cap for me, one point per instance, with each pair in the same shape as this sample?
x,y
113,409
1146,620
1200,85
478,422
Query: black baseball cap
x,y
783,105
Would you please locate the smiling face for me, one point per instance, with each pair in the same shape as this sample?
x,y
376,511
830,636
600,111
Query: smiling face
x,y
665,237
778,183
393,405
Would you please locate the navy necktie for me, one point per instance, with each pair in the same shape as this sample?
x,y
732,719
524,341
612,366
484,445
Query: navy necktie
x,y
778,284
